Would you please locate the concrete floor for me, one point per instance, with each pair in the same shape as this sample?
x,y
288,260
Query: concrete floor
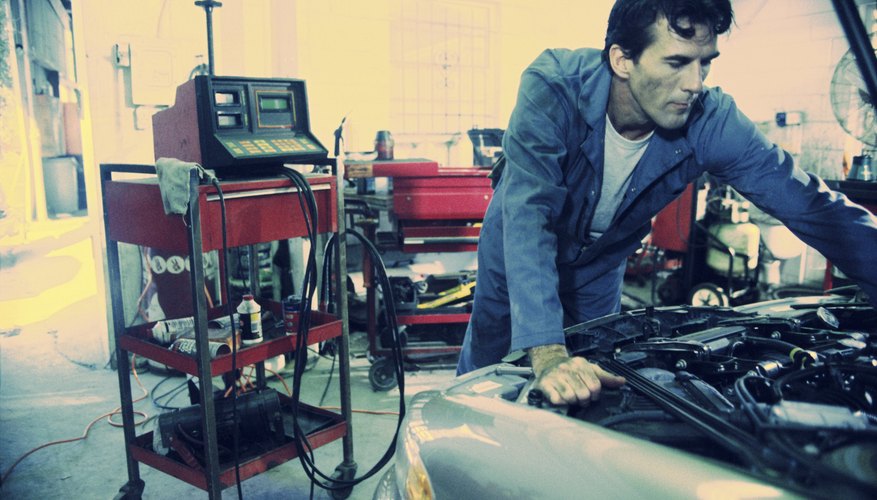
x,y
50,390
52,386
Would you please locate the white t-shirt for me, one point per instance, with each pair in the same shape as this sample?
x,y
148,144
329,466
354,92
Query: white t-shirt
x,y
620,157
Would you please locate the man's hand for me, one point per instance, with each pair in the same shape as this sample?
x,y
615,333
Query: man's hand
x,y
568,380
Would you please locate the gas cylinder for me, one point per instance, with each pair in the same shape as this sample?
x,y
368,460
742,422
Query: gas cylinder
x,y
743,238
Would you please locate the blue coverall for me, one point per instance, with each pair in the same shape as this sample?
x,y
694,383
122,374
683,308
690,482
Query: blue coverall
x,y
536,261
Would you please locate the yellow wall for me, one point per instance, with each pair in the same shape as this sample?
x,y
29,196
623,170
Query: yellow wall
x,y
778,57
344,54
340,47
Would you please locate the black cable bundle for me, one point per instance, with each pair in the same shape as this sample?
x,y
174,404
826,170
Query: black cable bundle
x,y
234,349
303,447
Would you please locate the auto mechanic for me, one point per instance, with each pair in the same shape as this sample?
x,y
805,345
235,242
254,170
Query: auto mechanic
x,y
597,144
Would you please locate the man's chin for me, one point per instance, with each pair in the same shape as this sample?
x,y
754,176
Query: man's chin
x,y
674,123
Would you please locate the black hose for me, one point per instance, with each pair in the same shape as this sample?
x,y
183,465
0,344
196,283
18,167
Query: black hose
x,y
308,207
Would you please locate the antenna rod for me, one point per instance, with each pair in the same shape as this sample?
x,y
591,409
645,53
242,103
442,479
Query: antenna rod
x,y
208,10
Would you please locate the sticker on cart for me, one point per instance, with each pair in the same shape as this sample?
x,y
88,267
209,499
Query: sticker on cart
x,y
157,264
359,170
176,264
486,386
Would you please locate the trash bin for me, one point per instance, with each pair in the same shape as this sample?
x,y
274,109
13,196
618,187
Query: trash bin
x,y
61,183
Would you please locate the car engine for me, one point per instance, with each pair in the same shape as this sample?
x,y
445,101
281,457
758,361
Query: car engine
x,y
787,391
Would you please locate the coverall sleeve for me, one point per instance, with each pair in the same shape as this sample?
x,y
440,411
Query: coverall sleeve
x,y
534,195
843,232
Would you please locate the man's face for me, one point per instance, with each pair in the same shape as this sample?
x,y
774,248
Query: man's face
x,y
669,74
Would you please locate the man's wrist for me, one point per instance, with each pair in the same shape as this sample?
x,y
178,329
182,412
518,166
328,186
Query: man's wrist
x,y
541,356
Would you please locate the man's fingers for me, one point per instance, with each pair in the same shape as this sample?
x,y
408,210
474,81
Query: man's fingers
x,y
561,393
587,386
576,381
609,379
551,393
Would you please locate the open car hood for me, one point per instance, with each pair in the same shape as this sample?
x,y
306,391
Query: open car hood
x,y
765,401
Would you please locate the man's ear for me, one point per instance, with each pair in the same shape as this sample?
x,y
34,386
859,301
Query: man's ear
x,y
619,61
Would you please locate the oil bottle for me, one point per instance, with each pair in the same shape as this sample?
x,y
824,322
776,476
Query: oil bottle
x,y
250,314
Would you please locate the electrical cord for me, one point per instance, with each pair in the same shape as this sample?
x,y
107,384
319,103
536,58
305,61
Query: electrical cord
x,y
303,447
88,427
325,299
171,394
354,410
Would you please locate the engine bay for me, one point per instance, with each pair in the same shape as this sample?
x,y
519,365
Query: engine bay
x,y
788,392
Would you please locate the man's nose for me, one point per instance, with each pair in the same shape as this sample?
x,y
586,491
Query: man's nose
x,y
693,79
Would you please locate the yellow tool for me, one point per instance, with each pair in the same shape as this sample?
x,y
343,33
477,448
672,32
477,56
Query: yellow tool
x,y
450,295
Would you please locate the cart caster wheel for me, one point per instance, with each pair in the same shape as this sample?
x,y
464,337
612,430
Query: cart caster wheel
x,y
133,490
708,294
342,494
344,473
381,375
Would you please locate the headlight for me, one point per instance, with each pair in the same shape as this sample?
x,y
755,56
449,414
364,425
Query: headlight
x,y
410,472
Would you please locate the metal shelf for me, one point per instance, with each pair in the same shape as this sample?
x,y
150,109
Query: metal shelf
x,y
324,327
333,427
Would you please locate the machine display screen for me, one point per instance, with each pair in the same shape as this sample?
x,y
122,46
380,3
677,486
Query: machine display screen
x,y
276,109
273,103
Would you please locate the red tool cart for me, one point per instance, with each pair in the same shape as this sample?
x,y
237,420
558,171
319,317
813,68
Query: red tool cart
x,y
434,209
133,214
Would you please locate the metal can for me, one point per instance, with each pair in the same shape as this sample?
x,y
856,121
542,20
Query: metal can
x,y
188,347
165,331
866,172
384,145
861,169
291,308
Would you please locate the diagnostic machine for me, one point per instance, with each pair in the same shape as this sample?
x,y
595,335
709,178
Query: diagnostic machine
x,y
236,126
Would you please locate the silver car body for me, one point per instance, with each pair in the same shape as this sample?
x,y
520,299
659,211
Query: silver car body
x,y
477,437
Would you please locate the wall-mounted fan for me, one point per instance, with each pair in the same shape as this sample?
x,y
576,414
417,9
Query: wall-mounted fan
x,y
853,106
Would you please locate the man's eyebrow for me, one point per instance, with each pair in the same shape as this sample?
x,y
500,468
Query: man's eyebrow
x,y
686,59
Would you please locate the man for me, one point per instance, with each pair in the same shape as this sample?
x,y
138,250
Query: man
x,y
597,144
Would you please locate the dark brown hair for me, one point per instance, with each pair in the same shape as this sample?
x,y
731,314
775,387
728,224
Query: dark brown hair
x,y
630,21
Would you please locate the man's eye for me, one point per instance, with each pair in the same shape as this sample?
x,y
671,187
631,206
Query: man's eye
x,y
675,65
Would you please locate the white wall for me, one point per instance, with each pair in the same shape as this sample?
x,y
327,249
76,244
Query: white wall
x,y
107,22
528,28
251,38
779,57
340,47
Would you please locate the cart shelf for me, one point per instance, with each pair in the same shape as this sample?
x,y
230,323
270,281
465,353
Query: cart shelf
x,y
324,327
325,427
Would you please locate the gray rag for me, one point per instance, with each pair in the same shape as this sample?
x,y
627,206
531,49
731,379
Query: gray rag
x,y
173,181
